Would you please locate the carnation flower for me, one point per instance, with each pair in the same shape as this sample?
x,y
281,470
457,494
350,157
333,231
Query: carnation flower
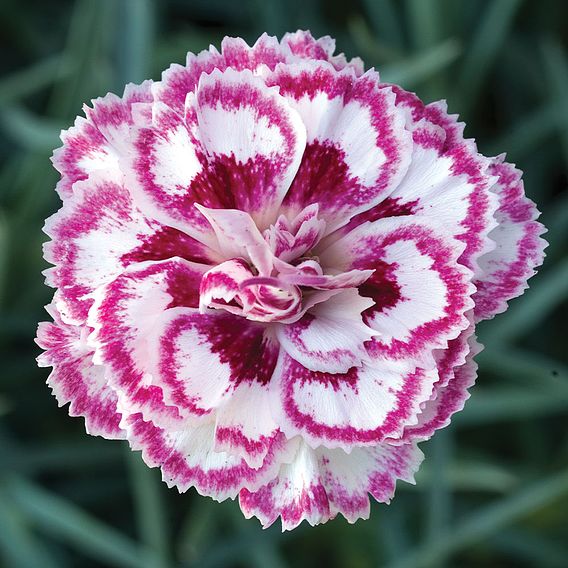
x,y
268,269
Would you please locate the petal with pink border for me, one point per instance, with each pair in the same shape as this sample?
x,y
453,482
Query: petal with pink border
x,y
319,484
358,148
187,459
85,148
519,250
448,180
457,371
361,407
75,379
420,290
199,359
96,234
124,317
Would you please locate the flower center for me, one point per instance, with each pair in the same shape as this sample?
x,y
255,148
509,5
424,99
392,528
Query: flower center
x,y
270,276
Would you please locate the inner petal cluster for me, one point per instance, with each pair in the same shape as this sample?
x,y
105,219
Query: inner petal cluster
x,y
277,277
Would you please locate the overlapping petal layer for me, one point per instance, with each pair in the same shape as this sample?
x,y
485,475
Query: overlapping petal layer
x,y
75,379
268,269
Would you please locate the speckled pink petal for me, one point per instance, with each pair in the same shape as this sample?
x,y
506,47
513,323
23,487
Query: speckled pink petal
x,y
350,477
237,147
303,45
85,148
421,292
124,317
448,180
457,372
519,246
187,459
199,359
252,137
266,53
75,379
319,484
245,425
363,406
358,148
296,494
99,232
331,337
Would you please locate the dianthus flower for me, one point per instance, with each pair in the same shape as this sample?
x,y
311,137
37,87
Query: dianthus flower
x,y
268,269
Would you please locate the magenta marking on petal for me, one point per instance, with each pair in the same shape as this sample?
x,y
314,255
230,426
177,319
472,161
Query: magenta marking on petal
x,y
434,128
520,248
123,317
95,235
86,149
295,378
345,173
390,207
232,436
297,493
261,166
303,44
168,242
382,287
368,246
76,380
457,371
331,338
81,142
217,475
241,344
324,177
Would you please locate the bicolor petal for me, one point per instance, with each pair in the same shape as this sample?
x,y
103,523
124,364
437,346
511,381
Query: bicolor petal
x,y
363,406
420,291
519,247
75,379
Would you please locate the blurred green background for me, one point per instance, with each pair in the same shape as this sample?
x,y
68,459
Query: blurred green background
x,y
494,488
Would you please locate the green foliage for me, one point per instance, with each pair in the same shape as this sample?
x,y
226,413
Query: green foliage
x,y
494,489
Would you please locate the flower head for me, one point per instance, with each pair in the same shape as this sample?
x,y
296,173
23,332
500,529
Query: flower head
x,y
268,269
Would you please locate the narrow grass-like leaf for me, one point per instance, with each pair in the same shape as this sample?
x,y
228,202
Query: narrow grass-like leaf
x,y
64,520
385,22
18,546
487,521
149,508
556,67
197,530
34,78
393,528
370,47
135,40
412,71
424,22
4,254
86,25
490,33
499,405
35,133
464,475
273,17
555,218
68,457
439,498
525,367
528,133
527,546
